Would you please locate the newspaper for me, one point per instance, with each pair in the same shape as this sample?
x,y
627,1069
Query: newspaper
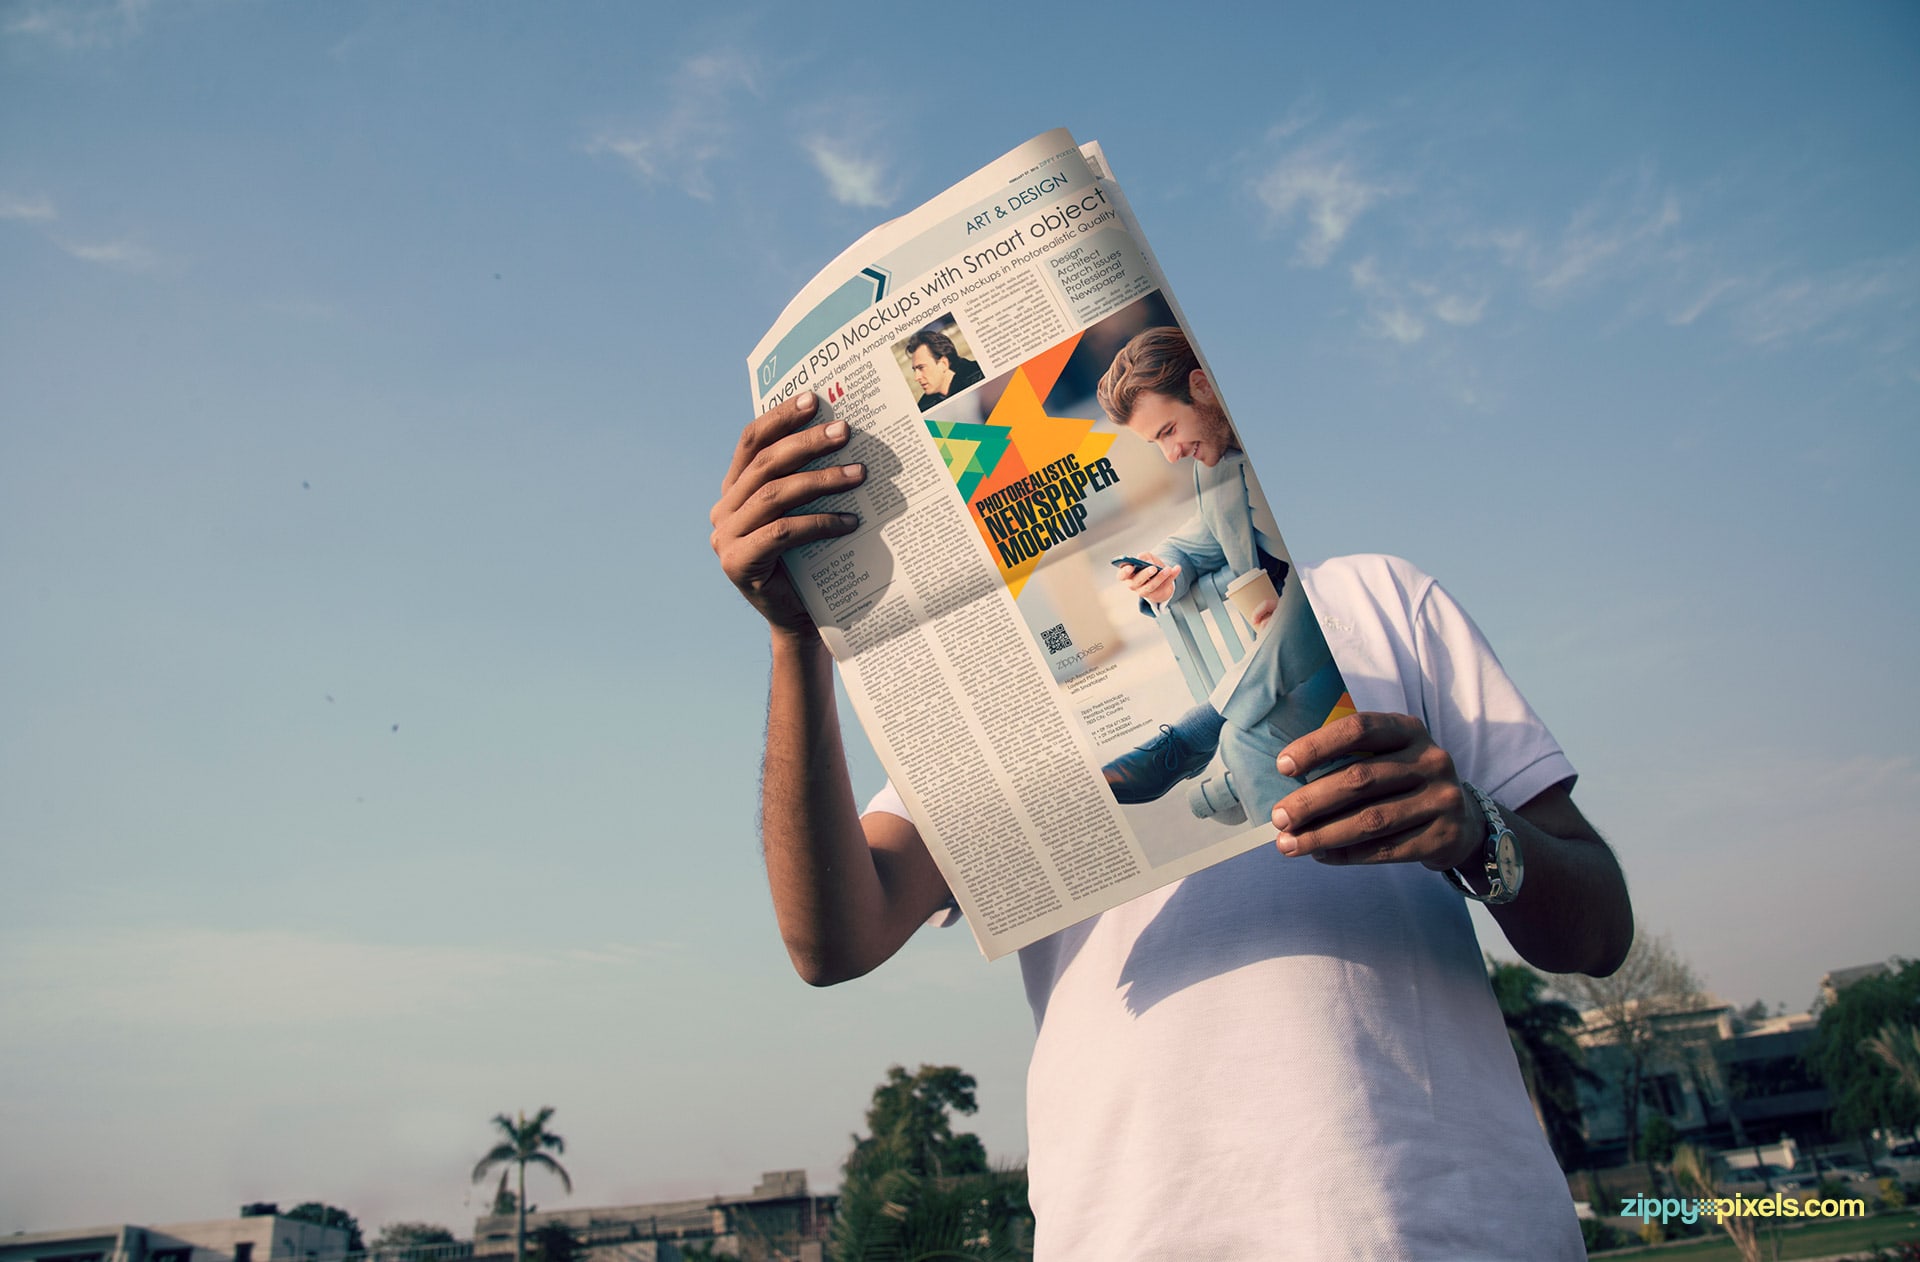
x,y
978,615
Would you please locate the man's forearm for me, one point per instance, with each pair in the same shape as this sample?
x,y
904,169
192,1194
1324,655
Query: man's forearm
x,y
844,893
1573,914
843,905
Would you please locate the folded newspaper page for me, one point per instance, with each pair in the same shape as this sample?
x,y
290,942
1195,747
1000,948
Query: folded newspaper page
x,y
1063,551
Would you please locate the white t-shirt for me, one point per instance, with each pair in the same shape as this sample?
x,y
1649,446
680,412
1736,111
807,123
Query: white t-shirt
x,y
1276,1059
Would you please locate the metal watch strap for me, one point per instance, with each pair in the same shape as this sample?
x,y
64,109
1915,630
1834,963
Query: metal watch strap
x,y
1497,891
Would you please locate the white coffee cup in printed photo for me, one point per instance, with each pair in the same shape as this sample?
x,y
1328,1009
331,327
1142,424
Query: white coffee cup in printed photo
x,y
1250,591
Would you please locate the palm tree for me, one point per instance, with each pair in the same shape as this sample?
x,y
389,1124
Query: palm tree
x,y
521,1145
1899,1046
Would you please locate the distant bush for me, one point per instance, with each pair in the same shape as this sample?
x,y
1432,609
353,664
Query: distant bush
x,y
1905,1251
1598,1235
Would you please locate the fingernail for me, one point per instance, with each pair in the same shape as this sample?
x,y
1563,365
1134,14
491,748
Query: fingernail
x,y
806,401
1281,820
848,519
836,430
854,471
1288,843
1286,766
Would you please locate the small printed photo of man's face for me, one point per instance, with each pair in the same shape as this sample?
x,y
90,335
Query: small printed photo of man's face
x,y
937,362
929,373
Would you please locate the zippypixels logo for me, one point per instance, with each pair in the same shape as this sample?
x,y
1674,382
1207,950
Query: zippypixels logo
x,y
1691,1209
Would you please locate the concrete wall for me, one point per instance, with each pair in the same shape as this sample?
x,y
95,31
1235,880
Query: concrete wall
x,y
274,1239
108,1243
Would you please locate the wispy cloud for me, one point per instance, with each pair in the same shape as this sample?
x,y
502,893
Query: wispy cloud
x,y
126,254
78,24
1388,313
1300,115
1320,184
1822,306
853,178
29,209
693,133
1634,246
1623,226
1701,302
1459,310
1398,310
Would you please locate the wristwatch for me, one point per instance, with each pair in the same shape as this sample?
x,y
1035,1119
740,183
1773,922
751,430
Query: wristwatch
x,y
1501,854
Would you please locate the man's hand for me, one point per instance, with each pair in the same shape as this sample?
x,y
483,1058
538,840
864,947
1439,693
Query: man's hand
x,y
1400,803
751,528
1153,583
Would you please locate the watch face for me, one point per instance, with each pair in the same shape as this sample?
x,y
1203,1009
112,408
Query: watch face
x,y
1506,855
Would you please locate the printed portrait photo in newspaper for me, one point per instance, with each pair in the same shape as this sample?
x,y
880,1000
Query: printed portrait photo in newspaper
x,y
938,362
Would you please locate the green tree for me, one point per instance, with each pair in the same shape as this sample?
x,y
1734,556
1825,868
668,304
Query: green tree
x,y
911,1126
330,1216
915,1191
1657,1140
523,1143
1552,1062
1867,1091
396,1242
408,1235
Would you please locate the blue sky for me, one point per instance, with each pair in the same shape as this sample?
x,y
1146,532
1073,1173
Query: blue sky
x,y
378,737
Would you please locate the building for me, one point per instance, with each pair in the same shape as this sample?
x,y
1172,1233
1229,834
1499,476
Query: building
x,y
779,1219
1678,1075
264,1237
1771,1093
1840,978
1720,1079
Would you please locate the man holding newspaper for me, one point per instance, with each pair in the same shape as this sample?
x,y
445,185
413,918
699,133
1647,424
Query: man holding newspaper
x,y
1268,1058
1238,1053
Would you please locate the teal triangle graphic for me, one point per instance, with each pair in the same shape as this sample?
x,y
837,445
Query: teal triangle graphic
x,y
993,439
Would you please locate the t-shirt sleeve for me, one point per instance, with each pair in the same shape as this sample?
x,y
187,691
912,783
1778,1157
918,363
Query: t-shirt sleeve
x,y
1476,712
889,802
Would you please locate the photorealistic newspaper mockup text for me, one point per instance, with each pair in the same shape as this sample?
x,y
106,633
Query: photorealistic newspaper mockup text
x,y
1039,429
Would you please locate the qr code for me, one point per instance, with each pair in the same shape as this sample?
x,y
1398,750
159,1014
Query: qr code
x,y
1056,638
